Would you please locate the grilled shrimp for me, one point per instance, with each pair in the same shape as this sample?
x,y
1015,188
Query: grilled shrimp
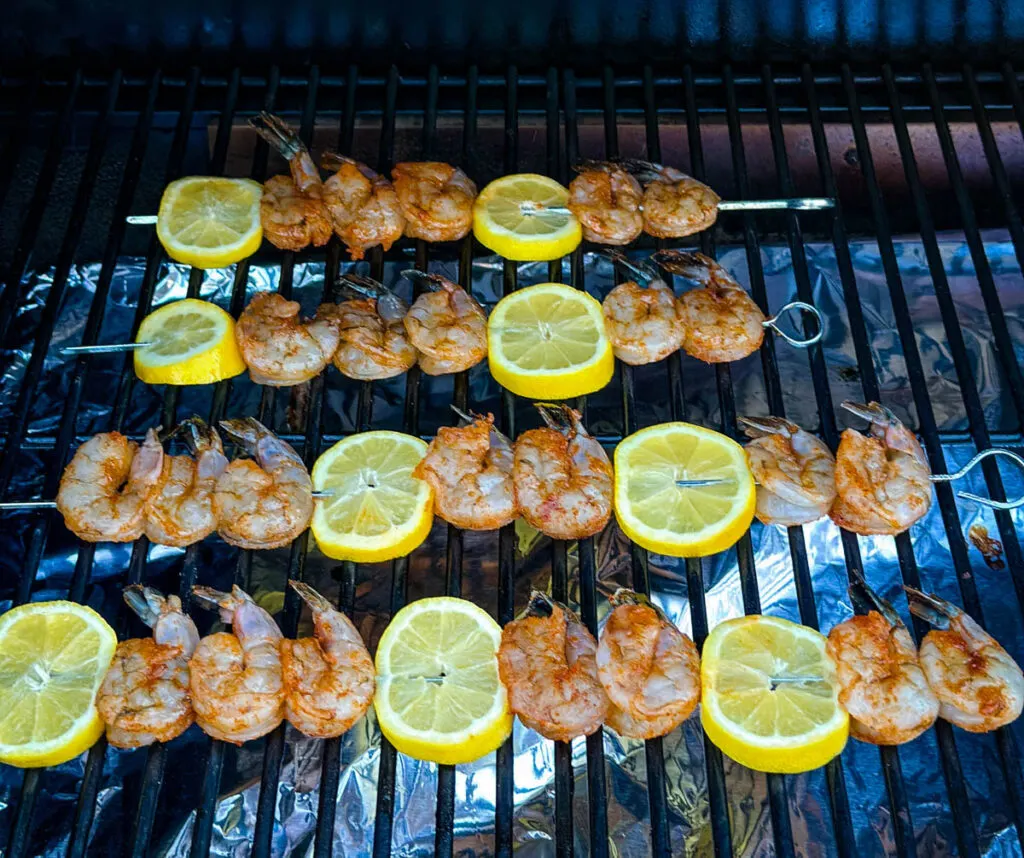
x,y
181,513
374,343
362,205
264,503
106,489
882,480
720,321
562,476
281,349
641,316
547,661
979,685
237,689
881,684
292,210
145,697
470,470
794,471
649,669
606,200
446,325
674,205
436,200
329,678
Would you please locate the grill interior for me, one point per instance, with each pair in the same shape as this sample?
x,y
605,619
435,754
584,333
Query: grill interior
x,y
890,147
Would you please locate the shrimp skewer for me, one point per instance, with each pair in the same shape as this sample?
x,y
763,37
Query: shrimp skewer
x,y
606,199
436,200
363,206
446,325
641,316
374,342
674,204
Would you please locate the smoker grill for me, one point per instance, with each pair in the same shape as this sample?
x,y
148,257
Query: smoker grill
x,y
720,124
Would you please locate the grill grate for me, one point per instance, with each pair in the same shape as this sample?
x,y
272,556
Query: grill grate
x,y
563,103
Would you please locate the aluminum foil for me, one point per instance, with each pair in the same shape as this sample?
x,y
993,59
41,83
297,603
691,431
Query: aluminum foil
x,y
628,813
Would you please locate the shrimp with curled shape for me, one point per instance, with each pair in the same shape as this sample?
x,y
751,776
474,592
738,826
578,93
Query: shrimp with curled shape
x,y
436,200
264,503
106,488
446,325
882,479
374,342
674,205
235,677
362,205
329,678
979,685
794,471
145,695
649,669
606,200
641,316
470,470
547,662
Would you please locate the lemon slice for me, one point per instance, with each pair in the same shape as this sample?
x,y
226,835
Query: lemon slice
x,y
378,509
548,342
769,698
210,222
439,696
193,343
682,521
53,657
511,218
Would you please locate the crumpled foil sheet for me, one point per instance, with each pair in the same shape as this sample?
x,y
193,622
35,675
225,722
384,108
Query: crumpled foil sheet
x,y
628,812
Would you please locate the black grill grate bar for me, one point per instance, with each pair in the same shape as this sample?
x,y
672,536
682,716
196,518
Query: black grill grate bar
x,y
10,151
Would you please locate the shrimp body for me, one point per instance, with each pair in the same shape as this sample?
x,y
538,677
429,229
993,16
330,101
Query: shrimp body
x,y
374,342
235,678
446,325
547,662
979,685
606,200
106,489
145,695
278,347
562,477
882,480
794,471
362,205
181,513
674,204
329,678
470,470
436,200
264,503
642,319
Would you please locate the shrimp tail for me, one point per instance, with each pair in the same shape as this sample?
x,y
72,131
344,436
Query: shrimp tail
x,y
641,270
643,171
759,427
865,599
873,412
245,432
693,266
217,600
318,603
198,435
591,165
148,464
560,417
931,608
433,282
539,605
390,305
146,602
334,161
276,132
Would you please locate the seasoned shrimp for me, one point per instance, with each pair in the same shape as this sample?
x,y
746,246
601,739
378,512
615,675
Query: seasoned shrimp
x,y
292,210
674,205
281,349
979,685
446,325
641,317
264,503
329,678
108,485
470,470
145,696
606,200
720,321
649,669
436,199
562,476
237,689
881,684
882,484
362,205
374,343
547,662
181,513
794,471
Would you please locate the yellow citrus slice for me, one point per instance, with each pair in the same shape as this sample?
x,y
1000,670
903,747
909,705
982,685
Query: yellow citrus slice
x,y
377,510
679,521
769,698
548,342
439,697
53,657
210,222
193,342
511,217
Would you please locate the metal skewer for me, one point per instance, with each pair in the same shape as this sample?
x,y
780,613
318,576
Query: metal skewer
x,y
697,484
110,348
49,504
796,204
141,220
